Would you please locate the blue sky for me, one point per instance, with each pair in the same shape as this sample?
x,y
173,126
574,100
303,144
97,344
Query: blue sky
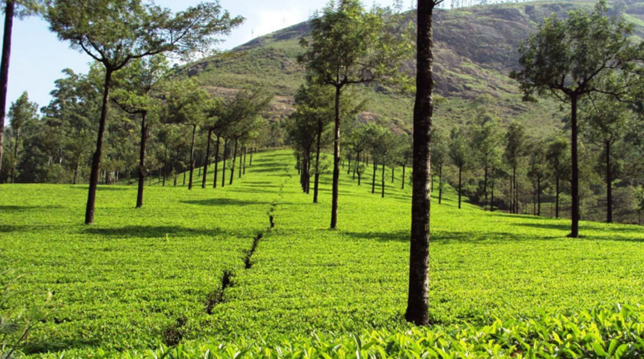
x,y
38,57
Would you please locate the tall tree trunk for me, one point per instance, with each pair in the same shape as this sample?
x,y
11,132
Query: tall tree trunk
x,y
214,180
245,150
539,196
184,177
349,165
241,157
96,160
336,160
317,163
485,187
574,228
234,158
355,166
392,174
440,184
403,177
557,198
383,180
418,295
460,183
192,156
250,163
4,70
308,171
144,139
609,186
373,179
223,162
205,164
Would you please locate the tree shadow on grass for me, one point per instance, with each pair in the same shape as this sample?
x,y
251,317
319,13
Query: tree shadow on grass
x,y
224,202
584,227
450,237
25,208
103,188
5,228
155,232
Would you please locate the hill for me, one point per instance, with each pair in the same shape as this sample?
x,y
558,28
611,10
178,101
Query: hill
x,y
207,267
476,48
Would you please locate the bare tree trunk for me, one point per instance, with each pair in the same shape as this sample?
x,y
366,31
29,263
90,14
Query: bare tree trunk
x,y
96,160
403,177
250,163
373,179
317,164
349,166
539,196
245,150
307,178
142,172
355,166
609,186
223,170
241,157
383,180
4,70
440,184
214,180
485,187
418,295
205,164
234,158
192,156
336,161
574,228
557,198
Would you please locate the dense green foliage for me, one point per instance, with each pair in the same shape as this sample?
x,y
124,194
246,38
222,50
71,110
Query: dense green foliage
x,y
125,282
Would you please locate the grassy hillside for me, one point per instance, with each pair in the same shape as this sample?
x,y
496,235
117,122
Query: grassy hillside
x,y
476,48
141,278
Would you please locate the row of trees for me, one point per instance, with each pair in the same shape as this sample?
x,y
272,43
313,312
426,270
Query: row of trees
x,y
162,123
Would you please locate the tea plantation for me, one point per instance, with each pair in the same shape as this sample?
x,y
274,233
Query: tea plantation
x,y
252,270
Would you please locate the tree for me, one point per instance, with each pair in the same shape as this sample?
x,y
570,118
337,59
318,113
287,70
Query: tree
x,y
21,113
418,294
440,155
241,116
405,154
12,8
537,171
115,32
314,108
459,154
486,138
134,95
515,150
186,105
349,46
566,58
559,163
604,122
214,124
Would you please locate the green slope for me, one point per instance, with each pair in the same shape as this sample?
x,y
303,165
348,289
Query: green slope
x,y
125,283
476,48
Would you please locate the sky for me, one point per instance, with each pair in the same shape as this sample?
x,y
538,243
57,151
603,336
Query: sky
x,y
38,57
